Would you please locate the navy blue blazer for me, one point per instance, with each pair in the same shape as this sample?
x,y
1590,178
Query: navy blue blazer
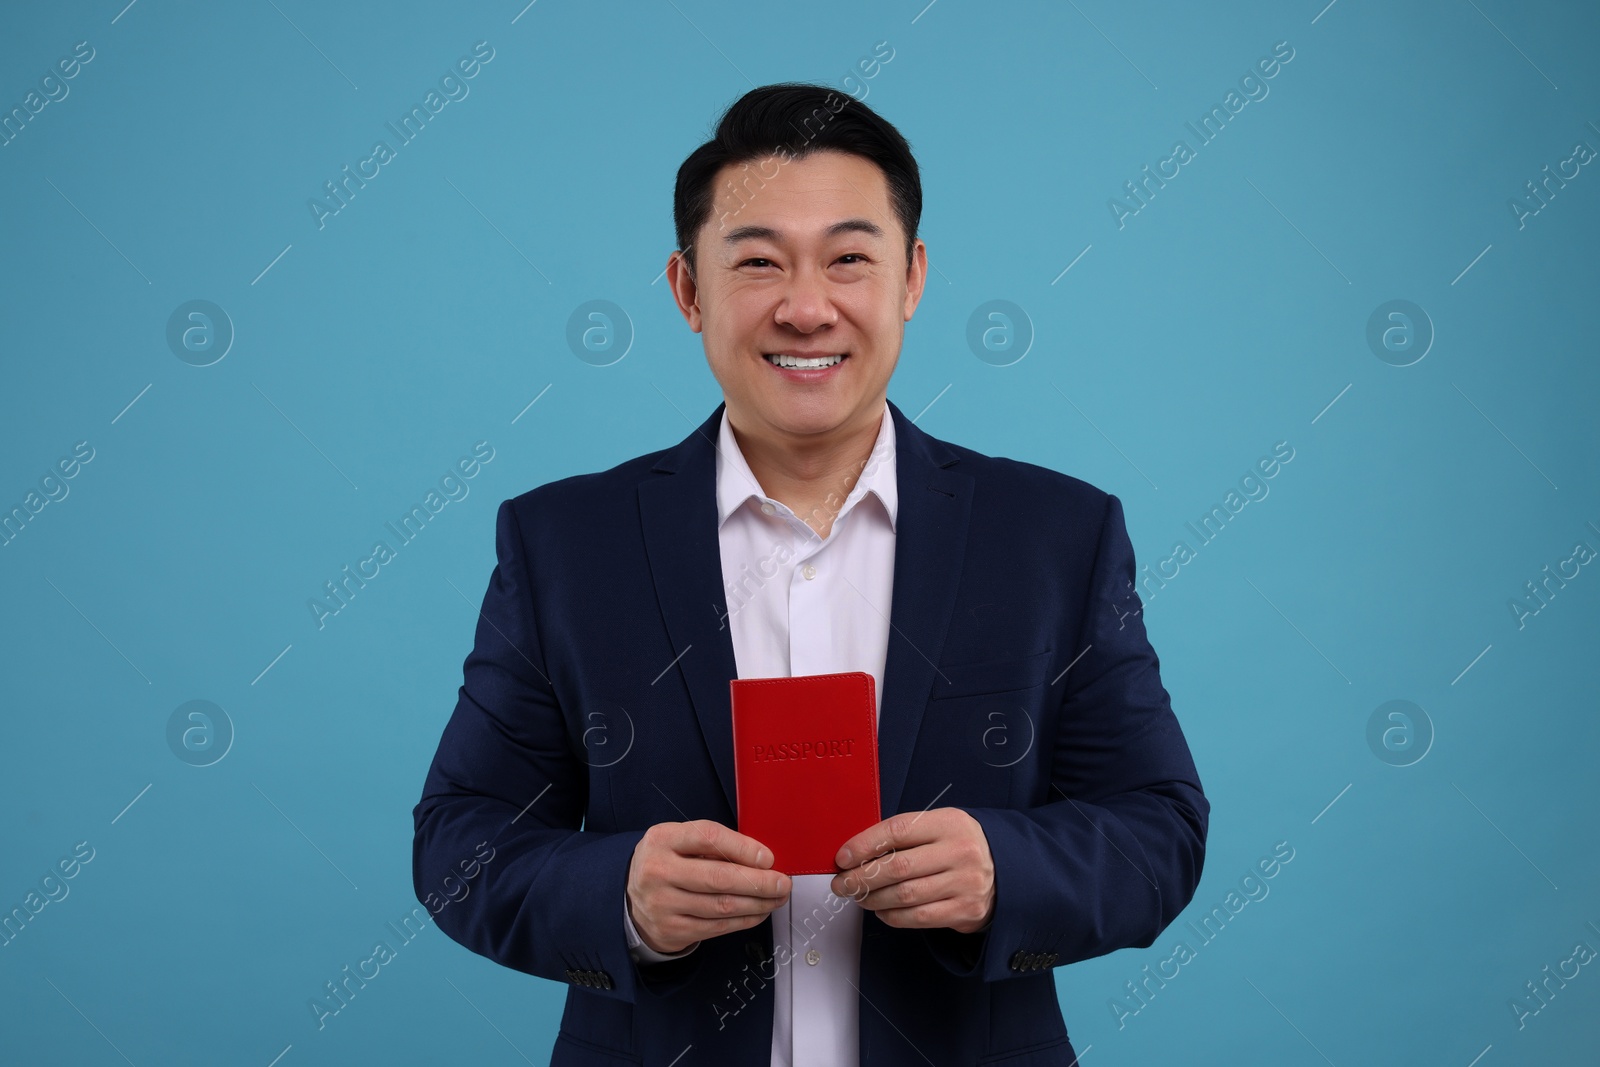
x,y
1019,686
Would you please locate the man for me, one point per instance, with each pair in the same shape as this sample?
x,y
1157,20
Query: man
x,y
1041,805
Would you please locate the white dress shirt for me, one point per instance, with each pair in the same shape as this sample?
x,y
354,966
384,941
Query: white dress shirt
x,y
800,604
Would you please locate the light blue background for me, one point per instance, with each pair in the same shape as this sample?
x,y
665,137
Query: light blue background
x,y
1224,317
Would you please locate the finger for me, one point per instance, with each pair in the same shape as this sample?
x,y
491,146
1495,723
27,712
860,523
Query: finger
x,y
904,830
707,837
930,889
674,931
687,929
891,867
697,875
713,906
935,915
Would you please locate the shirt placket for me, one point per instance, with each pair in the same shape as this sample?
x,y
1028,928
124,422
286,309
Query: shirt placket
x,y
820,926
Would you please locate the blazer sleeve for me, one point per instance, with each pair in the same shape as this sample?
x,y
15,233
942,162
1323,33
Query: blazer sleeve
x,y
508,783
1116,853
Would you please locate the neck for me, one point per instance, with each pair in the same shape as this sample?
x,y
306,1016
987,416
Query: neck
x,y
813,474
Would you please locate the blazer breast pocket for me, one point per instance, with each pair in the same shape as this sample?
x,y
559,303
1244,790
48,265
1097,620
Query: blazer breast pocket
x,y
993,676
981,725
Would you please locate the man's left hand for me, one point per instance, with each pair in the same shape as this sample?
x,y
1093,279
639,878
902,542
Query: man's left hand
x,y
921,869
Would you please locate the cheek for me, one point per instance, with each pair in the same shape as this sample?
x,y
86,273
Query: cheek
x,y
733,324
882,321
738,308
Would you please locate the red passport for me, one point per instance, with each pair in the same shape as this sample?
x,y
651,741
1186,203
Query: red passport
x,y
805,765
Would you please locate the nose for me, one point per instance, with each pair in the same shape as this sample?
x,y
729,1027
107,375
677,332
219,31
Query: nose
x,y
806,304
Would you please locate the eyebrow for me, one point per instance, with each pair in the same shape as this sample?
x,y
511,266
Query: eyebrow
x,y
750,233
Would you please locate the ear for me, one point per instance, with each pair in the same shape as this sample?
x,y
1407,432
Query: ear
x,y
916,277
684,289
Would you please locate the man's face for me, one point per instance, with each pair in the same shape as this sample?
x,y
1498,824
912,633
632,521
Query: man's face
x,y
802,258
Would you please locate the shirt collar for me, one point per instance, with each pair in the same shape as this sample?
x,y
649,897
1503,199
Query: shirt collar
x,y
736,484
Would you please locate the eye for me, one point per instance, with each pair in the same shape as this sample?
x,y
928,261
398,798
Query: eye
x,y
756,260
853,255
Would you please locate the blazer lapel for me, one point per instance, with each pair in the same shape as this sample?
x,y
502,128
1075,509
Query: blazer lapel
x,y
679,517
930,543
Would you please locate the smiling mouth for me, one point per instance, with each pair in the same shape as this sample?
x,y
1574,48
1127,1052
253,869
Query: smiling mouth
x,y
797,363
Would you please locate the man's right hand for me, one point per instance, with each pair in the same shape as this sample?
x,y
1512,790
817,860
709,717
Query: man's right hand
x,y
689,881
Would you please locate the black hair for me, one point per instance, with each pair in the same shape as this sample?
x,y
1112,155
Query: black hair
x,y
797,118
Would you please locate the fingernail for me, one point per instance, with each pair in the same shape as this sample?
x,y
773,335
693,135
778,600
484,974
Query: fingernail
x,y
846,858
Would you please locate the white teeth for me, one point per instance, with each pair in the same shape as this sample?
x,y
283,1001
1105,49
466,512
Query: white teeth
x,y
803,364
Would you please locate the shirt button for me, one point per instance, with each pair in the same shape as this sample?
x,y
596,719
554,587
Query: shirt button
x,y
813,957
809,571
768,509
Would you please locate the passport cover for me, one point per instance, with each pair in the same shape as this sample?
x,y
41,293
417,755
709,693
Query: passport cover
x,y
805,765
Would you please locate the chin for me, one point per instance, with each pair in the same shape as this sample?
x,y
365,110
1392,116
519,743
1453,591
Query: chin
x,y
808,414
